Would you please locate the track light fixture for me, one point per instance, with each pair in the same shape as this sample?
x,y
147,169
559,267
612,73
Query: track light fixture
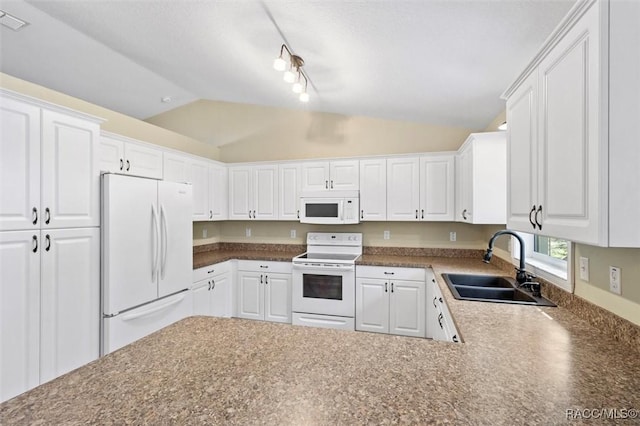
x,y
292,66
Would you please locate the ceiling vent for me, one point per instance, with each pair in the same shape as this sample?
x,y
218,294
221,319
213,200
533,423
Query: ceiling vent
x,y
11,21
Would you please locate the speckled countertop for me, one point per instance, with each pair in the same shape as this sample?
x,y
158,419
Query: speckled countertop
x,y
517,366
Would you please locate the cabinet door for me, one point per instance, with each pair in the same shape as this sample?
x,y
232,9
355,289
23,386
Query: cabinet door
x,y
372,305
201,296
373,189
19,166
70,302
570,178
437,188
141,160
218,192
175,167
407,308
221,295
111,155
19,312
240,179
403,188
277,289
344,175
250,295
522,155
199,178
315,176
265,192
289,201
466,185
70,172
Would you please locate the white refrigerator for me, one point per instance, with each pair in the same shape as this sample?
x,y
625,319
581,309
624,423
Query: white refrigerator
x,y
147,260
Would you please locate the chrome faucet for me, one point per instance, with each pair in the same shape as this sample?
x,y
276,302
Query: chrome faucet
x,y
523,278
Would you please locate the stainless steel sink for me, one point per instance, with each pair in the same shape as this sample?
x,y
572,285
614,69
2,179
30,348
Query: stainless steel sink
x,y
491,288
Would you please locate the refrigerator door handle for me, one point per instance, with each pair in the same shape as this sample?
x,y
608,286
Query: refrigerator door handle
x,y
156,237
161,307
163,241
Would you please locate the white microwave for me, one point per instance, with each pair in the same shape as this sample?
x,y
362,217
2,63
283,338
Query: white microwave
x,y
330,207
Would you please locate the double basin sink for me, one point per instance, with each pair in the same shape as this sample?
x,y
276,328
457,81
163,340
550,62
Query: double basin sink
x,y
491,288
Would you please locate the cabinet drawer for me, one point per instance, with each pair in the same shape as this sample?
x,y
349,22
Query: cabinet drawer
x,y
385,273
264,266
211,271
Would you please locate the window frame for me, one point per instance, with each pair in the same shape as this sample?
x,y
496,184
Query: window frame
x,y
546,267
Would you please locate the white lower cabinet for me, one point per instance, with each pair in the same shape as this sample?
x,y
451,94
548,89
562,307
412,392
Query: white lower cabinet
x,y
440,325
50,305
264,291
390,300
212,294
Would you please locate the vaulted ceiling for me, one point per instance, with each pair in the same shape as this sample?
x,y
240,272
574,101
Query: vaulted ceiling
x,y
434,61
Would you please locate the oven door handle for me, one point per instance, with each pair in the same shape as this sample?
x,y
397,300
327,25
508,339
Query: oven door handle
x,y
327,269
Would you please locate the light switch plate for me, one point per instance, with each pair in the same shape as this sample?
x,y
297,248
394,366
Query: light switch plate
x,y
615,279
452,236
293,233
584,269
386,235
247,232
204,233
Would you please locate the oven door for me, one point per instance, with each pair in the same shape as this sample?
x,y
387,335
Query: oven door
x,y
324,290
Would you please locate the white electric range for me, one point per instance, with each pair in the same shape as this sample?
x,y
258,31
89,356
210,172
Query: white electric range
x,y
324,281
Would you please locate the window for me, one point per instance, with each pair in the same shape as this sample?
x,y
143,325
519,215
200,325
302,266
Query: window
x,y
546,257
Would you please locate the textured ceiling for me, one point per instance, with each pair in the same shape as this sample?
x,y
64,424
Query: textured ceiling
x,y
435,61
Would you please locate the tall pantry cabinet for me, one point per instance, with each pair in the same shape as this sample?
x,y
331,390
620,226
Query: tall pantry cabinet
x,y
49,242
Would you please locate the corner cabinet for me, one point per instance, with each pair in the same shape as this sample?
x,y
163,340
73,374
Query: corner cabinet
x,y
481,179
253,192
264,291
390,300
573,130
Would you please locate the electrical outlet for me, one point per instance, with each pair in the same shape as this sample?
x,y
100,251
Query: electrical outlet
x,y
452,236
204,233
293,233
615,279
247,232
584,269
386,235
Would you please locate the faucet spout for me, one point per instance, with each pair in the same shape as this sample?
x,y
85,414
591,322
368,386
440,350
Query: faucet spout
x,y
521,274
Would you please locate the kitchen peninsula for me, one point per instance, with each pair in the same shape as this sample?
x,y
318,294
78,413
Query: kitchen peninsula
x,y
518,364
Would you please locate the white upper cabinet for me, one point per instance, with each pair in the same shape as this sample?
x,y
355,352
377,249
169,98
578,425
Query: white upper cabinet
x,y
373,189
253,192
119,154
289,186
218,192
49,172
70,171
175,167
573,130
482,179
403,188
19,165
437,187
198,176
338,174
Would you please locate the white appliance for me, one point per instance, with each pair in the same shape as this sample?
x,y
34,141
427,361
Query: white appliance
x,y
330,207
147,260
324,281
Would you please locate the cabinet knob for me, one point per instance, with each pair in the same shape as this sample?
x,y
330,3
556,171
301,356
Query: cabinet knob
x,y
326,184
47,215
464,214
361,214
34,215
48,240
128,165
385,287
391,287
416,213
261,281
35,244
210,214
266,279
422,214
332,184
213,284
121,164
